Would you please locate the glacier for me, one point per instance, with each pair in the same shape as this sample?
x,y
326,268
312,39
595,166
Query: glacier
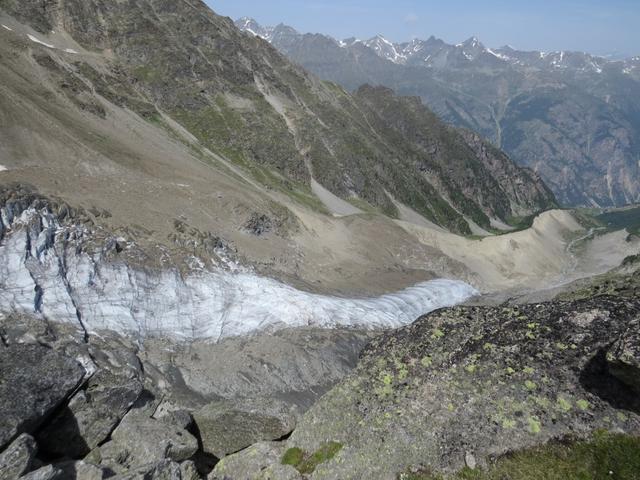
x,y
45,272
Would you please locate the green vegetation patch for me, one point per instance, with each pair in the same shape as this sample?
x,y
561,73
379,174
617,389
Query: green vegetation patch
x,y
606,456
628,218
306,464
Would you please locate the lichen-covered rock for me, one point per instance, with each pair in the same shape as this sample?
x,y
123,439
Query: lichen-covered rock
x,y
17,458
477,382
227,427
261,461
34,380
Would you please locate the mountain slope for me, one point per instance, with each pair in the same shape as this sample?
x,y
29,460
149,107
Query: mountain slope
x,y
242,99
572,117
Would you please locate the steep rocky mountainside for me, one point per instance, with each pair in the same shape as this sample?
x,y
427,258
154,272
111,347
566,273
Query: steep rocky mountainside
x,y
572,117
467,385
243,100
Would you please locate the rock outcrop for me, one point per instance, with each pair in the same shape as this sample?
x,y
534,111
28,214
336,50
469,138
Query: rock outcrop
x,y
35,380
465,385
228,427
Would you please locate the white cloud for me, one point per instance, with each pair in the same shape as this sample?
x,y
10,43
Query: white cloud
x,y
411,18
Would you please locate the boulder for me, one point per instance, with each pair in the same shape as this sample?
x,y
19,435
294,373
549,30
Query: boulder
x,y
140,440
18,457
227,427
34,380
261,461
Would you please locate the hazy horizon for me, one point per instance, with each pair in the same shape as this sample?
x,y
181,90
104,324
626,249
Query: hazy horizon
x,y
603,29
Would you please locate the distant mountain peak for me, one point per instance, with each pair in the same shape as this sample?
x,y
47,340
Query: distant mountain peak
x,y
472,42
386,49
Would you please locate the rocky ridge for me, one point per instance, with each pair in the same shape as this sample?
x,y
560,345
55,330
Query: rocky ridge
x,y
570,116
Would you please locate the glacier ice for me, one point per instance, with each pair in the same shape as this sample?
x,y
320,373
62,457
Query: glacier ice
x,y
41,272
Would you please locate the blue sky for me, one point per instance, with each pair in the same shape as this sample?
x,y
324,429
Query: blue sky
x,y
597,26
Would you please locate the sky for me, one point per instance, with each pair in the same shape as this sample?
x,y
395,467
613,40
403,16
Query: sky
x,y
601,27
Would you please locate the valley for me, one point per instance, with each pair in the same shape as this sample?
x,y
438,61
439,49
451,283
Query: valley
x,y
216,264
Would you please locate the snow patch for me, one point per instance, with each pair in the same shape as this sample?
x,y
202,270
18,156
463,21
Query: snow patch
x,y
3,168
34,39
70,50
7,28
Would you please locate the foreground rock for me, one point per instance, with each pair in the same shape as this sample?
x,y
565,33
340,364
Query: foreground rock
x,y
259,462
228,427
466,384
34,380
140,440
16,460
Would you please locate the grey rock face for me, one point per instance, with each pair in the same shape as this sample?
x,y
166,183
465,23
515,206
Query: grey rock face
x,y
227,427
17,458
34,380
140,440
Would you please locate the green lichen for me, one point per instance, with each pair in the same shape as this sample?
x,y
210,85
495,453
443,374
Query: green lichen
x,y
489,347
437,334
293,456
563,404
529,385
534,425
583,404
508,424
426,361
325,453
307,464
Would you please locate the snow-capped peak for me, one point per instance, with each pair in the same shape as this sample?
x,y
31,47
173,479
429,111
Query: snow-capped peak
x,y
249,25
386,49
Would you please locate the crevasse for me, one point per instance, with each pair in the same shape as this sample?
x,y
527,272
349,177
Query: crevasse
x,y
42,273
